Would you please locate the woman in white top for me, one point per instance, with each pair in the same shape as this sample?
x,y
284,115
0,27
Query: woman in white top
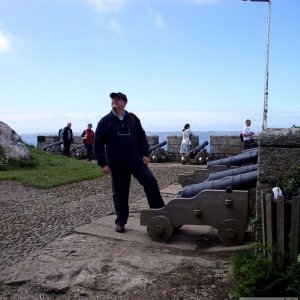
x,y
185,146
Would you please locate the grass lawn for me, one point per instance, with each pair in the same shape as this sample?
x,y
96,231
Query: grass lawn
x,y
48,170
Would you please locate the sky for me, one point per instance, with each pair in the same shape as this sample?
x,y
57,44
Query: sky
x,y
178,61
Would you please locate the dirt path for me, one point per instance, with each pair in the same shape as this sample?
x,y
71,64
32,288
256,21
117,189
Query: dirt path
x,y
42,257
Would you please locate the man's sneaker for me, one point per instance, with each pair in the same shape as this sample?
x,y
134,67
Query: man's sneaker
x,y
120,228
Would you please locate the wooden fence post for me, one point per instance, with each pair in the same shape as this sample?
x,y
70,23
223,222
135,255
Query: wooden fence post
x,y
280,224
269,222
294,235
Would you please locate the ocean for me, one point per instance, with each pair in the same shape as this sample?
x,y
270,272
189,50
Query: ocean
x,y
31,139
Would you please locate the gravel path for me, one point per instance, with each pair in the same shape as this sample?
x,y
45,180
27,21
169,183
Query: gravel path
x,y
31,218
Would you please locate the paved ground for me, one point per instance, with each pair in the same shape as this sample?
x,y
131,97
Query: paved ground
x,y
92,261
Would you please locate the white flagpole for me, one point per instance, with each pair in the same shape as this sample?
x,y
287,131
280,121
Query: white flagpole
x,y
266,92
266,87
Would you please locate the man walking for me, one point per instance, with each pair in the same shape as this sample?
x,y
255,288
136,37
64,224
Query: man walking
x,y
122,150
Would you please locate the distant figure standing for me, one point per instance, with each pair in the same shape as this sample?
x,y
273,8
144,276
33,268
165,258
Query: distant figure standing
x,y
247,134
185,146
59,133
88,140
67,138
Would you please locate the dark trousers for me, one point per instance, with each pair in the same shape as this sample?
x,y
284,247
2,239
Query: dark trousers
x,y
249,144
121,177
67,147
89,148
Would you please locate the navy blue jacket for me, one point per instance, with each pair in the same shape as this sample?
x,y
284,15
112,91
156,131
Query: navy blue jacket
x,y
120,143
65,134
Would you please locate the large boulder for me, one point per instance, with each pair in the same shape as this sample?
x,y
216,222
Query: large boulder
x,y
12,143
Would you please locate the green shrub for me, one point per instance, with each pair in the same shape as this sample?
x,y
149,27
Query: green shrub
x,y
254,275
290,184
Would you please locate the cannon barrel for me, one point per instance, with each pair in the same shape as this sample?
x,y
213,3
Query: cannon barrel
x,y
78,147
51,145
232,172
237,182
198,148
236,160
248,151
156,146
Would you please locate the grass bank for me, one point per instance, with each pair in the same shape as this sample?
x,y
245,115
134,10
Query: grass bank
x,y
47,170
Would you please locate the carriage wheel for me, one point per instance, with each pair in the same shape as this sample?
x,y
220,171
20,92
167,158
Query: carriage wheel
x,y
231,232
160,229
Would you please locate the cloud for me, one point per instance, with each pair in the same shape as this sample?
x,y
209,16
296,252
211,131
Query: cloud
x,y
115,26
30,122
157,18
5,42
108,5
153,121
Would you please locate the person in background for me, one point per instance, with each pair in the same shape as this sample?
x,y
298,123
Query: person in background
x,y
59,132
67,138
247,134
88,140
122,150
185,146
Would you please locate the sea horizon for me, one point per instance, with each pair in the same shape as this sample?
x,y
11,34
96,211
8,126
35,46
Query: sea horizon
x,y
31,138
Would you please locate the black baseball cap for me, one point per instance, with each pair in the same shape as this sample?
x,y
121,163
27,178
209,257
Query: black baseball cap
x,y
118,95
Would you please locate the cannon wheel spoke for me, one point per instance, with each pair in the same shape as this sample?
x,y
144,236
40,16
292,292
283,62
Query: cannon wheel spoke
x,y
160,229
231,232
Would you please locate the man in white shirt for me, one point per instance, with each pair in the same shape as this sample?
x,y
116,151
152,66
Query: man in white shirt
x,y
247,133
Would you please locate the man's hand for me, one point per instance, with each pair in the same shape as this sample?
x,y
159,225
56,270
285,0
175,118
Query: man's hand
x,y
145,160
106,170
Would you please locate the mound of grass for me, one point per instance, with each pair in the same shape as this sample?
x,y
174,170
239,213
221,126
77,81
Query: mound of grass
x,y
47,170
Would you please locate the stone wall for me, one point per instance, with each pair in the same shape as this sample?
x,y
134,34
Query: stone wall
x,y
227,145
220,146
278,156
174,142
173,146
43,141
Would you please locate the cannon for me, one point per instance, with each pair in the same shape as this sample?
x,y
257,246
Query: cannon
x,y
54,148
247,150
240,159
157,153
201,175
156,146
231,220
197,155
232,197
236,182
79,152
231,172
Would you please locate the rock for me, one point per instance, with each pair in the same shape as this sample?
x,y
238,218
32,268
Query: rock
x,y
12,143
